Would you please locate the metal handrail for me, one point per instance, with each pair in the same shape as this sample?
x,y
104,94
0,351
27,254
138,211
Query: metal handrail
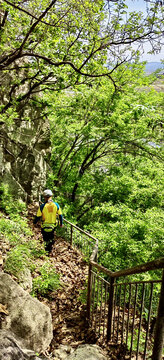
x,y
82,231
112,288
151,265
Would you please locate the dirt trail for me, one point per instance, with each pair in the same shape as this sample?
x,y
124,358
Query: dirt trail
x,y
68,311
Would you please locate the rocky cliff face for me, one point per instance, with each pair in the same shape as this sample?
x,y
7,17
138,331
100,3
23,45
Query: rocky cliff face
x,y
24,141
28,319
23,151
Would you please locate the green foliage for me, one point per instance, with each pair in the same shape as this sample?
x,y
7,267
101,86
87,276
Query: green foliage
x,y
36,249
106,130
9,117
107,162
60,45
14,229
11,206
46,282
83,294
24,250
135,341
17,260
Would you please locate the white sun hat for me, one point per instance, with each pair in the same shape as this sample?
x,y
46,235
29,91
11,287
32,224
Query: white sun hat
x,y
47,193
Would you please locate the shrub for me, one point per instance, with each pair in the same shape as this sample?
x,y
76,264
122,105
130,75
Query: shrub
x,y
15,208
17,260
14,230
46,282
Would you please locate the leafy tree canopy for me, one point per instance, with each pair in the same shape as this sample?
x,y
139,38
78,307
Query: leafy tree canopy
x,y
55,44
106,124
107,162
102,124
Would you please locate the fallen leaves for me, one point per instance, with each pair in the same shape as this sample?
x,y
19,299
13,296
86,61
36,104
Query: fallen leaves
x,y
1,260
3,309
68,313
70,327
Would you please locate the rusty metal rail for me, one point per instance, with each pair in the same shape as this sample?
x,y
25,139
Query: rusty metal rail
x,y
124,312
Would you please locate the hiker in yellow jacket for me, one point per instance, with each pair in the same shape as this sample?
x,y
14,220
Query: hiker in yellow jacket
x,y
47,213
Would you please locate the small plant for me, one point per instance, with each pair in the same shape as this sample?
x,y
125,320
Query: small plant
x,y
11,207
141,342
36,249
5,197
14,230
83,293
46,282
17,260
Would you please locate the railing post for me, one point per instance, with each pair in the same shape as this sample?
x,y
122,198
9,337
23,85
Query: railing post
x,y
71,234
89,291
110,309
159,328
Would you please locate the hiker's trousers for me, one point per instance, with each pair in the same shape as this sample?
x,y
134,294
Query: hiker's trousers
x,y
49,239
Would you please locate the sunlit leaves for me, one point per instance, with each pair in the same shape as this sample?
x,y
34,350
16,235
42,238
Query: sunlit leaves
x,y
106,153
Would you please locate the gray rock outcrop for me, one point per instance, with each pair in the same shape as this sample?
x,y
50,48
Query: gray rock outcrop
x,y
24,135
82,352
29,320
11,350
25,280
22,158
87,352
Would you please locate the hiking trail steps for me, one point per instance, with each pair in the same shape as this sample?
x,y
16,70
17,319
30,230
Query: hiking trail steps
x,y
70,327
68,312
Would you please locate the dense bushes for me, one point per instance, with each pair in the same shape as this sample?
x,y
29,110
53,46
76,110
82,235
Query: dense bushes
x,y
23,250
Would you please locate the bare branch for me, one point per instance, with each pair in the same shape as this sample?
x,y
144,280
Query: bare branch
x,y
36,23
28,93
73,42
3,20
145,149
27,12
57,64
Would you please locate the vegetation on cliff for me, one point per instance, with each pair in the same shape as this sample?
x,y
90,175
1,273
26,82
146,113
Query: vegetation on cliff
x,y
21,249
77,64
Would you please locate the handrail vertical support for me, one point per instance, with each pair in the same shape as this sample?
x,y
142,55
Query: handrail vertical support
x,y
159,328
71,235
110,309
89,292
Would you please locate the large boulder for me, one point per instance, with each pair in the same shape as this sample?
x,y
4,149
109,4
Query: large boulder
x,y
87,352
82,352
29,320
10,348
25,280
